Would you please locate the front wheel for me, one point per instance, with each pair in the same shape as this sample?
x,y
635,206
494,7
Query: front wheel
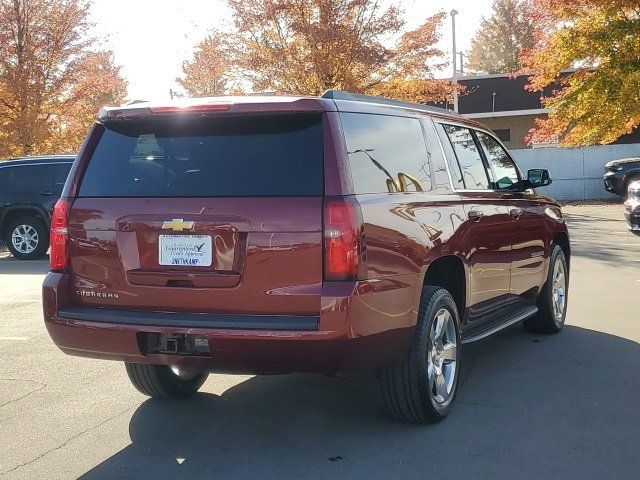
x,y
423,387
162,381
552,300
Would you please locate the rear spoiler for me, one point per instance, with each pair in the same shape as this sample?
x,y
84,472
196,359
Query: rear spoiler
x,y
216,105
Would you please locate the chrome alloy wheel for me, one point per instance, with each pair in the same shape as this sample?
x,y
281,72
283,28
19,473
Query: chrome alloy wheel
x,y
442,356
24,239
558,289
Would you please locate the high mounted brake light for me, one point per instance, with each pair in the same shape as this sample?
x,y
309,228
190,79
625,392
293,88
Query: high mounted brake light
x,y
114,113
344,245
210,107
132,112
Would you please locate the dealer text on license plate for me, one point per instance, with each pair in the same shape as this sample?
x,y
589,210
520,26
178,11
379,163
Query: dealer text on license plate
x,y
193,250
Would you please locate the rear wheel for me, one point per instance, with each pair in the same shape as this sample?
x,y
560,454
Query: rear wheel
x,y
552,300
162,381
27,238
423,387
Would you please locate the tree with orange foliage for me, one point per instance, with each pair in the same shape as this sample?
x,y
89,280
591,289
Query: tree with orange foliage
x,y
52,81
599,101
309,46
208,74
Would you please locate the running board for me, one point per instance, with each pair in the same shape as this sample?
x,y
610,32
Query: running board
x,y
492,327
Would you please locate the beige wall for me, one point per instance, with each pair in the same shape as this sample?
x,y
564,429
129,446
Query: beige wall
x,y
519,126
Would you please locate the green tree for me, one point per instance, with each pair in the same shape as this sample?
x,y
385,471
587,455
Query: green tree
x,y
600,100
501,38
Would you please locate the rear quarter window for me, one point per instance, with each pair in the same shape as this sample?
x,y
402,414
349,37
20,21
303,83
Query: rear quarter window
x,y
386,153
268,155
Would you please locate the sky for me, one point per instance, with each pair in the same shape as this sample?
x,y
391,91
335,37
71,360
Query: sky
x,y
151,38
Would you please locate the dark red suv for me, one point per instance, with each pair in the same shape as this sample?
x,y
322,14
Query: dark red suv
x,y
299,234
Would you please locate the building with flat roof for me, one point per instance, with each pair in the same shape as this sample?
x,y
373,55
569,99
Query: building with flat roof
x,y
504,104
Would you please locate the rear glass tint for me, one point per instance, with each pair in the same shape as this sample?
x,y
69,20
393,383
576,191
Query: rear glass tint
x,y
275,155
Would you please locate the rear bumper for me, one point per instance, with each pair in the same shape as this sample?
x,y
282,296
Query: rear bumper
x,y
239,344
191,320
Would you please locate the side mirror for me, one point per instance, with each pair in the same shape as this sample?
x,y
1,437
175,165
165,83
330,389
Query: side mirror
x,y
538,177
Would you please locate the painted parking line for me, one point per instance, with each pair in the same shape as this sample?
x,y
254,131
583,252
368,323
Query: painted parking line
x,y
14,338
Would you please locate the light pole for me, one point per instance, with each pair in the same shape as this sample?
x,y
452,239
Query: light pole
x,y
455,55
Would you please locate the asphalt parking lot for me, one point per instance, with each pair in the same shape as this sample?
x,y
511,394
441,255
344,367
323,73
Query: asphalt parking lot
x,y
563,406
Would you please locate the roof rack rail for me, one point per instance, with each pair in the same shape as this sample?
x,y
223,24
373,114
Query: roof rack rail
x,y
358,97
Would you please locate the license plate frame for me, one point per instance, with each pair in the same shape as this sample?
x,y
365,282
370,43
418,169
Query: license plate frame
x,y
185,250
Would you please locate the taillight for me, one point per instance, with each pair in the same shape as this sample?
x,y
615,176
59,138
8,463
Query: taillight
x,y
344,247
59,237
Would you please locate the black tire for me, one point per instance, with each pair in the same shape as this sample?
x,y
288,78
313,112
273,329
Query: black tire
x,y
406,385
159,381
546,320
42,242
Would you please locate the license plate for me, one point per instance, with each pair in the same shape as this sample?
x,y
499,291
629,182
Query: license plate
x,y
190,250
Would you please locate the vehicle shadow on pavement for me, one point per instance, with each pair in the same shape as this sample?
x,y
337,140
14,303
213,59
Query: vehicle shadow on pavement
x,y
530,407
601,239
9,265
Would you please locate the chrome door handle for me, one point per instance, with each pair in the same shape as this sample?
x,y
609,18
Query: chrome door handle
x,y
515,212
475,215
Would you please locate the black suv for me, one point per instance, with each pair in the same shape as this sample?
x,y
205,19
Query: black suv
x,y
29,188
618,174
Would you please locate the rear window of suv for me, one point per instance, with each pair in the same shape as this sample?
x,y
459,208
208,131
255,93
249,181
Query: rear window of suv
x,y
274,155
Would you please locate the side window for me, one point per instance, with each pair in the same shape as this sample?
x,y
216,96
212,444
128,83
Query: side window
x,y
441,181
387,154
504,171
60,175
31,178
473,170
454,168
4,177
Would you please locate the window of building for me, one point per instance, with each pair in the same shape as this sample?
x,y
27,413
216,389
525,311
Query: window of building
x,y
503,134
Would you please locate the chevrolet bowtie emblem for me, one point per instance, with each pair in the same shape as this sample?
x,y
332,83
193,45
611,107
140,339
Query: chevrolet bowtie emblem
x,y
177,225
